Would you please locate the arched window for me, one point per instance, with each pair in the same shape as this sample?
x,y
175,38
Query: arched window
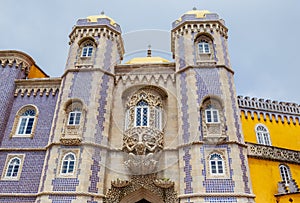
x,y
212,115
74,117
285,173
68,164
74,112
87,50
13,168
216,163
204,48
142,113
25,122
262,135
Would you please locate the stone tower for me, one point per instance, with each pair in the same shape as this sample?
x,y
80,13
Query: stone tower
x,y
79,136
213,163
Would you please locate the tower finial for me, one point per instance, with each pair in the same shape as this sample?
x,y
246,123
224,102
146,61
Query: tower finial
x,y
194,8
102,12
149,51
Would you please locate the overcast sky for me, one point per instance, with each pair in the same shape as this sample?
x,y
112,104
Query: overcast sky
x,y
264,37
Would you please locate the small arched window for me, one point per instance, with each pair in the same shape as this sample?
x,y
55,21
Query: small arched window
x,y
216,163
285,173
142,113
262,135
87,50
74,113
68,164
74,117
212,114
203,47
13,168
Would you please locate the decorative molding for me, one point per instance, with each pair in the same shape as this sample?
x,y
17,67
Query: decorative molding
x,y
145,78
273,153
17,58
278,110
32,87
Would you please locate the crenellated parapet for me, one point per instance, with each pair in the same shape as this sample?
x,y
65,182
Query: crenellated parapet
x,y
17,59
273,109
37,87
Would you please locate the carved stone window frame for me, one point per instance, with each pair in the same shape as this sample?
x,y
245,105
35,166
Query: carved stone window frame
x,y
72,134
86,42
213,131
9,158
223,154
155,103
17,121
204,38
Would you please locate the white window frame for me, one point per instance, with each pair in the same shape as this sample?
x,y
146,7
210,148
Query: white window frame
x,y
285,174
262,135
87,51
26,118
204,48
12,176
66,163
217,164
142,115
76,114
212,110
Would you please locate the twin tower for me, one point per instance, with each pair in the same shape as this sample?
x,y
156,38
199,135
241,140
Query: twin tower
x,y
148,130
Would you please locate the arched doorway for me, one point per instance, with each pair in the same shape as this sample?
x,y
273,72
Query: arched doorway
x,y
143,201
142,196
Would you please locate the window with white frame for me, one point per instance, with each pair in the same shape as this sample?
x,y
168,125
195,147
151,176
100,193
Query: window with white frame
x,y
285,173
212,115
216,164
142,113
87,50
203,47
74,117
26,122
13,168
262,135
68,164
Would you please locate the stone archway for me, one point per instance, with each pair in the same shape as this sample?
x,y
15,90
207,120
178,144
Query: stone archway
x,y
139,187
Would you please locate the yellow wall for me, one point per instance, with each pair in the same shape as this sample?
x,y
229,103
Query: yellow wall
x,y
282,135
265,174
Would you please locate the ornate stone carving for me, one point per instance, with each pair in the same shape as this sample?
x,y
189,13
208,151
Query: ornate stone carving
x,y
273,153
147,182
70,141
120,183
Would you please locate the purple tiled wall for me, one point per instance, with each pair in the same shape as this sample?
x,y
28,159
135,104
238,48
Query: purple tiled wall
x,y
17,199
7,86
30,174
46,106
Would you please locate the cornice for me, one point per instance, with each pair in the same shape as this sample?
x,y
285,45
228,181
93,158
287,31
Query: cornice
x,y
279,110
16,58
33,87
